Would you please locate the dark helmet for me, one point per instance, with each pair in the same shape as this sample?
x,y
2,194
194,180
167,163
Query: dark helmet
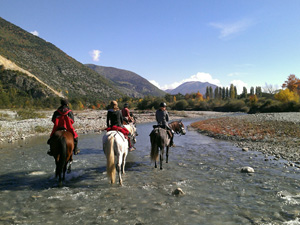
x,y
126,105
163,104
64,102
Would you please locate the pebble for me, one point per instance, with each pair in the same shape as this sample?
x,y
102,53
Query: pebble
x,y
178,191
247,169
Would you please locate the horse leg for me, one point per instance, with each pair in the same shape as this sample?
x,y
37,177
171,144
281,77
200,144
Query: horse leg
x,y
155,166
64,171
161,158
69,167
123,163
167,154
119,165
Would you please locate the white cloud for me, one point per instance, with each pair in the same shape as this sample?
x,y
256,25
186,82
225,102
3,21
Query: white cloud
x,y
239,85
229,29
95,55
35,33
155,83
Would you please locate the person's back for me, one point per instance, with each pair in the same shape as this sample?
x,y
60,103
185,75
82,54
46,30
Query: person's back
x,y
114,116
126,114
162,118
63,118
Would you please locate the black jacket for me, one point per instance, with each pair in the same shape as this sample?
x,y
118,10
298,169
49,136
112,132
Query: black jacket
x,y
114,118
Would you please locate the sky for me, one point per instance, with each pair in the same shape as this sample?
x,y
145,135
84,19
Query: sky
x,y
247,43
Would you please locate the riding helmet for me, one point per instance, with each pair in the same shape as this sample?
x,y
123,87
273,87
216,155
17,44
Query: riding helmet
x,y
126,105
163,104
64,102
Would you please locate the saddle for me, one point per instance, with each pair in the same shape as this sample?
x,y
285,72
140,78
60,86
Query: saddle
x,y
169,132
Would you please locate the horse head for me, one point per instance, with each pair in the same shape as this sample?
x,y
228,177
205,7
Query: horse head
x,y
178,127
132,131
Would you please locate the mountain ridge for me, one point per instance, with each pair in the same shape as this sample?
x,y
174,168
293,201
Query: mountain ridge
x,y
127,81
191,87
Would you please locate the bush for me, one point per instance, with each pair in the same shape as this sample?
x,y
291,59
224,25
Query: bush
x,y
181,105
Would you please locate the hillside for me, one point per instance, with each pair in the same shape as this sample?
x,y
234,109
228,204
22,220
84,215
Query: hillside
x,y
128,82
54,68
191,87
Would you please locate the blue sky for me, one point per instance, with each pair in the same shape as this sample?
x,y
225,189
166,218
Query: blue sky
x,y
244,42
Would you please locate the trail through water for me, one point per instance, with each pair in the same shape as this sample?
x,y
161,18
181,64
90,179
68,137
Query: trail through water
x,y
207,170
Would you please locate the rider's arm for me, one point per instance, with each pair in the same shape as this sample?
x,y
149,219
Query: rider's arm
x,y
167,116
71,115
107,119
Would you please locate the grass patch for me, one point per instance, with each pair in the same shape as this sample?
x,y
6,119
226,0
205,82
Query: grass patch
x,y
25,114
40,129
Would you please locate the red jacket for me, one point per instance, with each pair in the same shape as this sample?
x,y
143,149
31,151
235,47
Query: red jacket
x,y
63,120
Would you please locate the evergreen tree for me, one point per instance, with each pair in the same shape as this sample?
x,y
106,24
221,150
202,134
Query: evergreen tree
x,y
244,93
207,92
231,92
252,91
227,93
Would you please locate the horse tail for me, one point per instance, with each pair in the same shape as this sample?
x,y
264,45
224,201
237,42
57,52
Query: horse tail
x,y
110,157
154,138
62,156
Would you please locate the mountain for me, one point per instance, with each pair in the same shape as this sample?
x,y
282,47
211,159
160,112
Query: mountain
x,y
128,82
191,87
50,67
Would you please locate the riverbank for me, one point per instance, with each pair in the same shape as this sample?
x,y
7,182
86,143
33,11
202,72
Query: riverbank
x,y
12,128
277,135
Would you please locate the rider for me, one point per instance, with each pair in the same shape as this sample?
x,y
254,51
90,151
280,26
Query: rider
x,y
162,118
126,114
63,118
114,118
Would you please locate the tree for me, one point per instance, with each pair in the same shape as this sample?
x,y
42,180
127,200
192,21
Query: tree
x,y
232,91
269,88
292,83
252,91
244,93
287,95
258,91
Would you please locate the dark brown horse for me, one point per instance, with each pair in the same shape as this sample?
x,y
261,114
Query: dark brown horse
x,y
61,146
160,139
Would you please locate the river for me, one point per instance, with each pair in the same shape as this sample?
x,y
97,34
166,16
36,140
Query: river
x,y
207,170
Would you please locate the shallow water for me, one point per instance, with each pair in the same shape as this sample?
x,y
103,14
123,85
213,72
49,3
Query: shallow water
x,y
207,170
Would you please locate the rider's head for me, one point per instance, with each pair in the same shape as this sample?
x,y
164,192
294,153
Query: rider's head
x,y
114,105
64,102
163,105
126,105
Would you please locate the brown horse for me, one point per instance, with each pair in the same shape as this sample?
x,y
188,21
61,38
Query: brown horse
x,y
61,146
160,139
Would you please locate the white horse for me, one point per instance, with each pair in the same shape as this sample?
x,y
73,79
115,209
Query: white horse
x,y
115,144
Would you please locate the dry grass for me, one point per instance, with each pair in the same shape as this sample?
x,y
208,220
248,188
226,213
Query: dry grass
x,y
241,128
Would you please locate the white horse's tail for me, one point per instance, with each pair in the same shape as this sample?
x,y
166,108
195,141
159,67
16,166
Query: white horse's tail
x,y
110,157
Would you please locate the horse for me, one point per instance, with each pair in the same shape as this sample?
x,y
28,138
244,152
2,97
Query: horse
x,y
160,140
61,146
115,144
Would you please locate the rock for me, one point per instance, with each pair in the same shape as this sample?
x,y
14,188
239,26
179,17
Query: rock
x,y
177,192
247,169
245,149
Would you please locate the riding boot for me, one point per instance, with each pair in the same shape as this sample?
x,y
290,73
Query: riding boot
x,y
76,150
48,142
171,141
131,148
